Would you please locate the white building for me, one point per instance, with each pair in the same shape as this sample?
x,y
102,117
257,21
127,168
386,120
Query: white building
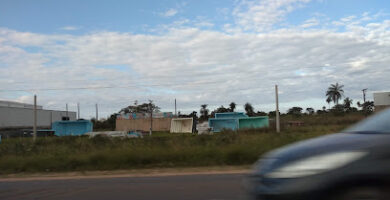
x,y
381,100
20,115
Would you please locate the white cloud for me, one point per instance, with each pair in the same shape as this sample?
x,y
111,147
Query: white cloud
x,y
310,23
196,66
69,28
204,24
170,12
262,15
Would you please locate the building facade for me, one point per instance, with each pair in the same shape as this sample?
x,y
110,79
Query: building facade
x,y
381,100
19,115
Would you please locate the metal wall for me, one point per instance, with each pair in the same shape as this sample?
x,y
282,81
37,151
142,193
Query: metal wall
x,y
182,125
253,122
159,124
219,124
24,117
236,120
382,99
79,127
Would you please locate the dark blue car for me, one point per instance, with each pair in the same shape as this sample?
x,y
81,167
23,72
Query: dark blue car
x,y
353,164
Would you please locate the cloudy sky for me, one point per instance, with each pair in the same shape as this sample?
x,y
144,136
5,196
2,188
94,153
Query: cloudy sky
x,y
197,51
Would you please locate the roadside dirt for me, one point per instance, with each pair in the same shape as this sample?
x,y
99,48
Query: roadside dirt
x,y
126,173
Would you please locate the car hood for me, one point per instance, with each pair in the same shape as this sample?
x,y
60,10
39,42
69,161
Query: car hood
x,y
321,145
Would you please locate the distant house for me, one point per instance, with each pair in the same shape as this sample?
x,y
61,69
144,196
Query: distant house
x,y
381,100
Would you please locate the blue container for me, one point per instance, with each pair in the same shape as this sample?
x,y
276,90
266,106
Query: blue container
x,y
253,122
65,128
235,121
219,124
230,115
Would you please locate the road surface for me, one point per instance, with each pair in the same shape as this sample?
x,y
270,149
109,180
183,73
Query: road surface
x,y
180,187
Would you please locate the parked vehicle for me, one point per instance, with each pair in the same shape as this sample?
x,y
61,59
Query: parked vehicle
x,y
353,164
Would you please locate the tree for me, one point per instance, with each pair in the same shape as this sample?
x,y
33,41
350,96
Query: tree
x,y
335,92
105,124
204,113
367,107
249,109
328,100
232,106
140,108
348,105
322,111
338,109
221,109
272,113
261,113
193,115
295,111
310,111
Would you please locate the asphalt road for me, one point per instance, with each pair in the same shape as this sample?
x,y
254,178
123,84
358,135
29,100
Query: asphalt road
x,y
181,187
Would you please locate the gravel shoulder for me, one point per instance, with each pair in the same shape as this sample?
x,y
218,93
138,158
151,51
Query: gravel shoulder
x,y
126,173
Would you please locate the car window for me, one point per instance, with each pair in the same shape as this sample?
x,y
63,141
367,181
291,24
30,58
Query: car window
x,y
377,123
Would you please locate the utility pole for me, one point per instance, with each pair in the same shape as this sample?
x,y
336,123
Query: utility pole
x,y
78,110
175,109
277,109
151,117
35,119
364,95
97,112
67,110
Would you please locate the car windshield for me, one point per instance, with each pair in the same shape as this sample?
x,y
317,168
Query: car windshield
x,y
379,123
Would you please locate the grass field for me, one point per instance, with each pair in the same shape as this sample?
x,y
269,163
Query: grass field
x,y
56,154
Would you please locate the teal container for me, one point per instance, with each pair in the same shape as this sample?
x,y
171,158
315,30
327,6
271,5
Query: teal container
x,y
66,128
253,122
219,124
236,120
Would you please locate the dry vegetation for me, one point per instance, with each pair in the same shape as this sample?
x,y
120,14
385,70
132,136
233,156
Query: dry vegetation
x,y
56,154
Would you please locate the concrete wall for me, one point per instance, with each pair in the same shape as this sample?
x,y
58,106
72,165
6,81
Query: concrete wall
x,y
24,117
159,124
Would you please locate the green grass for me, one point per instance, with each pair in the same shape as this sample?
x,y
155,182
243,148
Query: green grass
x,y
161,150
58,154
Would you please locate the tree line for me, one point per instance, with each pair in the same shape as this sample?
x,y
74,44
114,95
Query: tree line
x,y
334,94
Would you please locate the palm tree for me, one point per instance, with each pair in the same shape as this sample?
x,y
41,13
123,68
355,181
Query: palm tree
x,y
347,103
249,109
335,92
232,106
204,112
328,100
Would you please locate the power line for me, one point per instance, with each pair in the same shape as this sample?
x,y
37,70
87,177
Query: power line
x,y
115,87
197,73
